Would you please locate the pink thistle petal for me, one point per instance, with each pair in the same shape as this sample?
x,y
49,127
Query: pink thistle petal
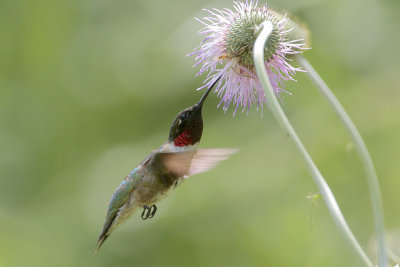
x,y
239,84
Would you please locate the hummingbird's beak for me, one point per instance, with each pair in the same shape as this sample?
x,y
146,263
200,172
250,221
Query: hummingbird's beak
x,y
200,103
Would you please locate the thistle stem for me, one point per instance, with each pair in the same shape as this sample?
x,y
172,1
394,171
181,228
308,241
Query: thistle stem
x,y
280,116
372,178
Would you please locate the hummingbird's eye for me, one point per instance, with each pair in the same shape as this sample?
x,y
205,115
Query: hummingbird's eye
x,y
183,116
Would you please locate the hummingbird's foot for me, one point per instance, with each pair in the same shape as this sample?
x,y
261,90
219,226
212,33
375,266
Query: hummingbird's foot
x,y
145,214
152,211
148,212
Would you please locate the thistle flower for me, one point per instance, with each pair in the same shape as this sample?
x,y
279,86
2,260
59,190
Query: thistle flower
x,y
229,38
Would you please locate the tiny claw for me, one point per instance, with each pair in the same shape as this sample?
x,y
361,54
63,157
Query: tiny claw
x,y
144,214
152,211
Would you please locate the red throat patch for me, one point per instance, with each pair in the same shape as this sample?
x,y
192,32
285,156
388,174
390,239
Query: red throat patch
x,y
184,139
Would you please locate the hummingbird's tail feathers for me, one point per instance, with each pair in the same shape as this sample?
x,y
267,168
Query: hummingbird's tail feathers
x,y
119,208
101,240
191,162
106,231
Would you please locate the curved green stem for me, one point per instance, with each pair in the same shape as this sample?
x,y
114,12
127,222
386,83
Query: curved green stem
x,y
372,178
280,116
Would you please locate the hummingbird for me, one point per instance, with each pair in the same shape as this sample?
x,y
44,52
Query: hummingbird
x,y
163,169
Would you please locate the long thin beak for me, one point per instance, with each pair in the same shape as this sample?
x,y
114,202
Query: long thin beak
x,y
200,103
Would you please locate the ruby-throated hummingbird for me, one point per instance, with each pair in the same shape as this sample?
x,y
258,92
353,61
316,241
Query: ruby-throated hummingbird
x,y
163,169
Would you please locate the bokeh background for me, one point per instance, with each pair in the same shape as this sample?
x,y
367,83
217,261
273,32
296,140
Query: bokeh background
x,y
89,88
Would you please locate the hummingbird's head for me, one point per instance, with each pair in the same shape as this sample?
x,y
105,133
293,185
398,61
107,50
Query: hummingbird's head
x,y
187,127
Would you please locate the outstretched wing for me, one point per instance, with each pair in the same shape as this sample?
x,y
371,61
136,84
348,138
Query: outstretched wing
x,y
193,162
207,159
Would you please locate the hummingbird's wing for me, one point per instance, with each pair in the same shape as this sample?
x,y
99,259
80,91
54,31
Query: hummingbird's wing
x,y
206,159
118,199
193,162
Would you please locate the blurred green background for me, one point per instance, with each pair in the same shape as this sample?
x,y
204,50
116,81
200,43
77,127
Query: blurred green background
x,y
89,88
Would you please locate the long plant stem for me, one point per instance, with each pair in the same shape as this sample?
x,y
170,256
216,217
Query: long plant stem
x,y
372,179
259,62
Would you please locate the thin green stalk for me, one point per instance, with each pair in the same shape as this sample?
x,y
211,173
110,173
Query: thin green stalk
x,y
266,28
372,178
